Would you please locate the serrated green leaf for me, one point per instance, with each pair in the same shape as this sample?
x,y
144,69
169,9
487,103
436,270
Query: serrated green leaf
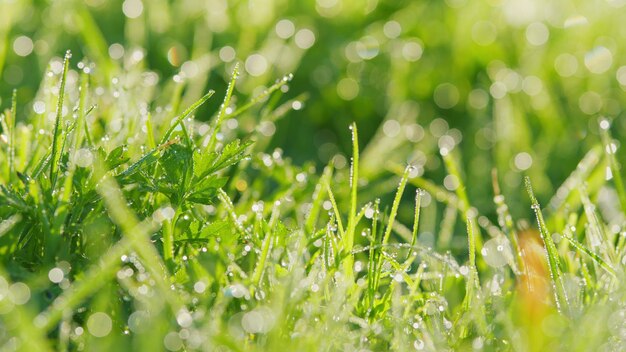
x,y
176,163
232,153
206,190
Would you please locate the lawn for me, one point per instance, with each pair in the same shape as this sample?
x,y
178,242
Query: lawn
x,y
329,175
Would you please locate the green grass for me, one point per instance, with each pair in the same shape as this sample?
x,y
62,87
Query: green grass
x,y
111,245
226,208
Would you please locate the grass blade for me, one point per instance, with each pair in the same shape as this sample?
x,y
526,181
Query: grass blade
x,y
560,295
185,113
416,219
348,238
396,205
56,139
610,148
225,106
505,220
453,170
11,125
318,199
596,258
82,101
274,87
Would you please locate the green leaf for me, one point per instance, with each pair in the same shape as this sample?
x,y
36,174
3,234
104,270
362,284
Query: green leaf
x,y
117,157
214,228
205,191
208,163
176,164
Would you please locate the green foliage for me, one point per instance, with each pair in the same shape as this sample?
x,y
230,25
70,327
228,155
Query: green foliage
x,y
138,213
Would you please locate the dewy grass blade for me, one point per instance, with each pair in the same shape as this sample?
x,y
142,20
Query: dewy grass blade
x,y
584,168
416,218
150,132
152,154
554,264
64,204
472,287
257,276
596,234
318,199
596,258
505,220
396,205
390,222
472,278
11,125
230,209
56,137
274,87
354,178
610,148
185,113
223,109
168,239
82,101
438,192
348,238
372,272
453,170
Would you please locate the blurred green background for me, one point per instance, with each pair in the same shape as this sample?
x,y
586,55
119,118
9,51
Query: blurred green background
x,y
517,84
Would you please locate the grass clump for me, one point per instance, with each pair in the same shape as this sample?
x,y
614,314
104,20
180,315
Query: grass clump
x,y
202,242
142,213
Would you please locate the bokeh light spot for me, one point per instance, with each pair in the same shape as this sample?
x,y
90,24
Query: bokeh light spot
x,y
23,45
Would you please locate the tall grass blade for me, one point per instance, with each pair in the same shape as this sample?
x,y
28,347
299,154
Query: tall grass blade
x,y
185,113
610,148
56,137
224,108
274,87
348,238
11,125
560,295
